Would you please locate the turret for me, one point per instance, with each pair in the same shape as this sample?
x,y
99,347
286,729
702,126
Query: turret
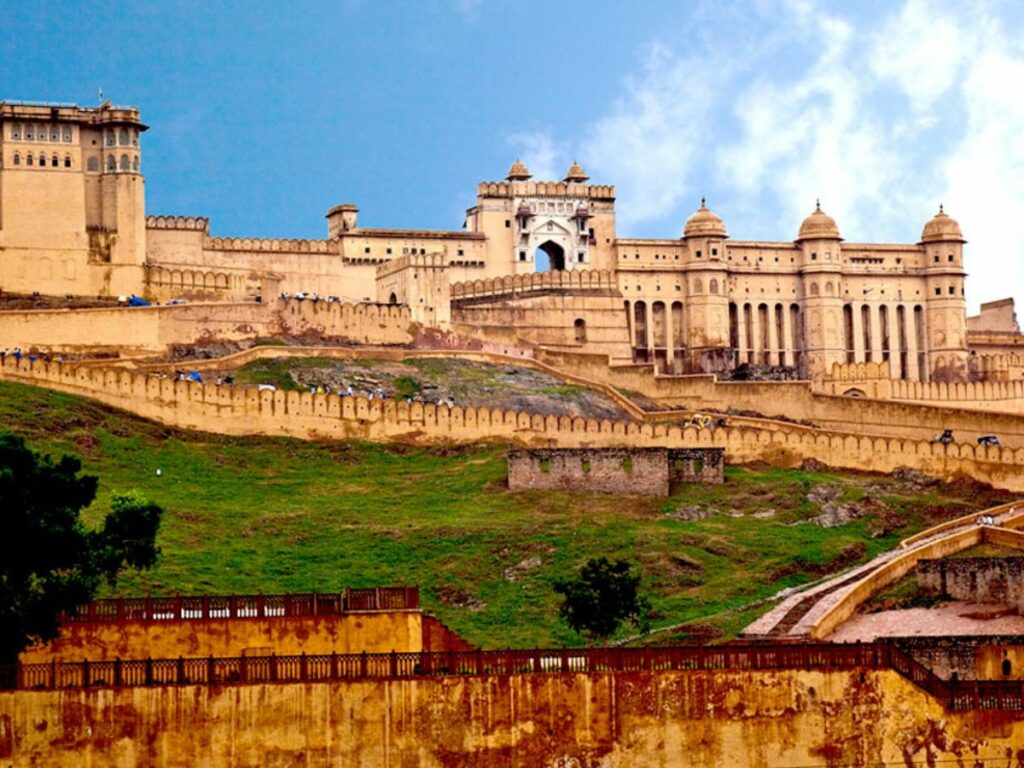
x,y
945,305
708,304
820,247
342,218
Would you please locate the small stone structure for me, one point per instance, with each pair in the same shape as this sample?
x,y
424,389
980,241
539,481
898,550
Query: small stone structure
x,y
977,579
630,471
968,657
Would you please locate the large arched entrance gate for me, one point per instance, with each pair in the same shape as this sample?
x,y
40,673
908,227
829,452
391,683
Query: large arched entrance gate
x,y
550,256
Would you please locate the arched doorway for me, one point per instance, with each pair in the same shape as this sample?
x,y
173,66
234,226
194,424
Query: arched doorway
x,y
393,299
550,256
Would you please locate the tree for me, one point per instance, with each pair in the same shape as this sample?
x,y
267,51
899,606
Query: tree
x,y
603,596
50,561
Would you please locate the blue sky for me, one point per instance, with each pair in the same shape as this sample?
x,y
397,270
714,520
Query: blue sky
x,y
264,115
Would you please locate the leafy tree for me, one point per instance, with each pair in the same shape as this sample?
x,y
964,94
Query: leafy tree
x,y
51,562
603,596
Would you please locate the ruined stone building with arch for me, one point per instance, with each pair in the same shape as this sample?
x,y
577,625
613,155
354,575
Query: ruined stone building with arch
x,y
538,261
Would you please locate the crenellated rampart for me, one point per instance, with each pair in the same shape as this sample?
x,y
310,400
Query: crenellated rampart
x,y
246,411
364,323
268,245
580,280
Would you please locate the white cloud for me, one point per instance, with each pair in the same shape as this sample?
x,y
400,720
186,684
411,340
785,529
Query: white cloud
x,y
882,115
541,154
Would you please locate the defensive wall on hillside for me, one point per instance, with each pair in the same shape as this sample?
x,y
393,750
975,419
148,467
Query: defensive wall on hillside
x,y
769,706
237,410
154,329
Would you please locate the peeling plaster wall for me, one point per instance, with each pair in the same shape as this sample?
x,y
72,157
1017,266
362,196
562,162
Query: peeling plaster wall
x,y
600,720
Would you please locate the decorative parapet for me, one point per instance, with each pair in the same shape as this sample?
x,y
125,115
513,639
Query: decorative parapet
x,y
196,223
415,261
858,372
545,188
268,245
579,280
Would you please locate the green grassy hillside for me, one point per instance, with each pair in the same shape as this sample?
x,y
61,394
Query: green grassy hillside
x,y
281,515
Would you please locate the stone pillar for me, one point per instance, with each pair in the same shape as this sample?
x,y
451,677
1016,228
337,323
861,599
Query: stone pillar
x,y
913,371
859,353
788,354
755,332
774,351
875,313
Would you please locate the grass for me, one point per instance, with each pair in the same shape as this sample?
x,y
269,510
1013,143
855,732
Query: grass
x,y
282,515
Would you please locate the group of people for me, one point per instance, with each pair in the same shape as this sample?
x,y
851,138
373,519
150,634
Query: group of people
x,y
17,354
945,437
305,295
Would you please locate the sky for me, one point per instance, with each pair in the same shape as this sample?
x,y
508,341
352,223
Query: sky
x,y
264,115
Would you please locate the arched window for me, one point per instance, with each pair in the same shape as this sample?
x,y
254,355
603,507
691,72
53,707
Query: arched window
x,y
829,290
814,289
124,137
580,327
111,163
135,164
28,160
92,164
55,161
67,161
1007,667
698,287
126,164
135,138
713,286
111,139
17,159
42,160
67,135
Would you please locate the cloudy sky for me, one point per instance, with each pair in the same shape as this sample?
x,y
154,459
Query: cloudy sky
x,y
264,115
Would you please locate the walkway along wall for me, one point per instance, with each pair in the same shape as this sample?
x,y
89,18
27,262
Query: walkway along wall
x,y
246,411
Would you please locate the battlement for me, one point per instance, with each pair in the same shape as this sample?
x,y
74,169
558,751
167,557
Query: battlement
x,y
577,280
602,192
413,261
195,223
54,111
267,245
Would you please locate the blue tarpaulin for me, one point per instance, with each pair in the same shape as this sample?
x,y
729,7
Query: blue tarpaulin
x,y
135,301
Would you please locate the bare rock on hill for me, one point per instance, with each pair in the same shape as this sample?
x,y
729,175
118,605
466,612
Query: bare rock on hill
x,y
914,477
813,465
823,493
459,598
692,513
523,567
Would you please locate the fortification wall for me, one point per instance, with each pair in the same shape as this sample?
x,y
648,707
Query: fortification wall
x,y
380,632
795,401
567,720
238,410
558,280
131,330
968,657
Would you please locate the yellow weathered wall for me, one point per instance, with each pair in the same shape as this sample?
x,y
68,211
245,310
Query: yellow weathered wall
x,y
350,633
598,720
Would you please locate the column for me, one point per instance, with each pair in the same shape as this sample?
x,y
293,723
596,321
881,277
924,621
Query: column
x,y
741,334
858,335
670,350
755,332
649,326
788,354
632,328
774,354
875,315
913,371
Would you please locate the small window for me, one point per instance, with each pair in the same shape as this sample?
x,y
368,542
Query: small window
x,y
135,164
126,164
952,290
111,139
388,251
366,249
30,132
950,257
15,131
461,252
67,135
111,163
814,257
938,291
54,162
580,256
508,223
28,160
698,254
714,251
522,255
54,134
936,258
17,159
42,161
92,164
124,137
135,138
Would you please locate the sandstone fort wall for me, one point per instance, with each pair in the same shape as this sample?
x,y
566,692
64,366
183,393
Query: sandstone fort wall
x,y
567,720
237,410
975,579
642,472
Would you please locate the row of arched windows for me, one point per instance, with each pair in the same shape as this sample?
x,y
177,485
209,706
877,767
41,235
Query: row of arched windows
x,y
32,132
92,165
54,162
122,136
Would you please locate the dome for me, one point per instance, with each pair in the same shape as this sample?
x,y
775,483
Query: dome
x,y
818,226
942,228
575,173
518,172
704,223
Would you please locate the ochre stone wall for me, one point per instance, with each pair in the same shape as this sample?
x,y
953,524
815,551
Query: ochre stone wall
x,y
970,657
350,633
563,720
238,411
633,471
154,329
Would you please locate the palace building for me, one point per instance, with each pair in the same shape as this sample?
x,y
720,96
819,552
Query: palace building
x,y
536,261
